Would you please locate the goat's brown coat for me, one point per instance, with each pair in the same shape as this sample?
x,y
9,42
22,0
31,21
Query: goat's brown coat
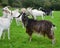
x,y
42,26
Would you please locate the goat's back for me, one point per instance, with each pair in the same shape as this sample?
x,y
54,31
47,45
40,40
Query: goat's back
x,y
40,26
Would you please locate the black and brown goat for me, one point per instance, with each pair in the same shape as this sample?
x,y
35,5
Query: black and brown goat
x,y
43,26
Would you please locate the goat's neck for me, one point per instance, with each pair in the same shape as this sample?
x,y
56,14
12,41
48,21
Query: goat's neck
x,y
9,17
25,22
31,12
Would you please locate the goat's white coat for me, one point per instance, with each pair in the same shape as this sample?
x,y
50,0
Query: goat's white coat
x,y
36,12
16,14
5,23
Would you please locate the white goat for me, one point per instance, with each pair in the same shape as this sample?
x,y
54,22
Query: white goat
x,y
35,12
5,24
14,13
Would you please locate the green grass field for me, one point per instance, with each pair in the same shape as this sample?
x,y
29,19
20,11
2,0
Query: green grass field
x,y
19,38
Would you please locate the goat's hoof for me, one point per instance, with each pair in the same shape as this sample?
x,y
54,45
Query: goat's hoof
x,y
53,42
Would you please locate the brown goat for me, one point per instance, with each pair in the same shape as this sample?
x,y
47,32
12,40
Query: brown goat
x,y
43,26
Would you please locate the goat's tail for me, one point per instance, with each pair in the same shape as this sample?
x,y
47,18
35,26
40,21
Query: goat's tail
x,y
44,14
54,26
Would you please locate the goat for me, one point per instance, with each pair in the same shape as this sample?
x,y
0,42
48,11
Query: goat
x,y
47,11
43,26
14,13
5,24
35,13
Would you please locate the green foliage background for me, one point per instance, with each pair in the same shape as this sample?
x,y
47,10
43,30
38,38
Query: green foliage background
x,y
54,4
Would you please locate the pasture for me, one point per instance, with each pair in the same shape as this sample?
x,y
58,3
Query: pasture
x,y
19,38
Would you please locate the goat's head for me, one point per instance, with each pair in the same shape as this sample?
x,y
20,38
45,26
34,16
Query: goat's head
x,y
23,10
6,10
24,18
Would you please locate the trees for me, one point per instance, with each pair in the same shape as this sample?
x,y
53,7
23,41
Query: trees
x,y
4,2
55,4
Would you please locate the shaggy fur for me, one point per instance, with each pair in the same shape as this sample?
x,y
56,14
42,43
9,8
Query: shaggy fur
x,y
43,26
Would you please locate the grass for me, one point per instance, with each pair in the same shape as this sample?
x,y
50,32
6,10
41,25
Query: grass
x,y
19,38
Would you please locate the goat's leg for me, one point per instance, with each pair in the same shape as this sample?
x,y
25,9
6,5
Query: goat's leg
x,y
29,33
30,38
42,17
34,17
1,31
51,14
17,22
51,36
4,35
22,25
53,41
8,33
